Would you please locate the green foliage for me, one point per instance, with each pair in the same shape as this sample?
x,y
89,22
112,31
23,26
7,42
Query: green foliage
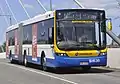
x,y
3,47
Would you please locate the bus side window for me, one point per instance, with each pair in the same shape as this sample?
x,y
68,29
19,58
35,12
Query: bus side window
x,y
51,35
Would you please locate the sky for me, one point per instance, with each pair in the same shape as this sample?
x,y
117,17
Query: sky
x,y
111,7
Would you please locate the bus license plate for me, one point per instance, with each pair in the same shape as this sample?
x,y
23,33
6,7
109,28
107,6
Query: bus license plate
x,y
83,63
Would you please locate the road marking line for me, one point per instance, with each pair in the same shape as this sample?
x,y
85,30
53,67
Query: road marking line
x,y
62,79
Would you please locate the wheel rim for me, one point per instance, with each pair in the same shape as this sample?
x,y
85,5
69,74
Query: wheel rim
x,y
44,63
25,61
11,59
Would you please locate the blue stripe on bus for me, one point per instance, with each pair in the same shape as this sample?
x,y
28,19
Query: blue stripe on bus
x,y
75,61
64,61
29,59
48,61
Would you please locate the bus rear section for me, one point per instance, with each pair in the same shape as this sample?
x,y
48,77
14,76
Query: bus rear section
x,y
80,38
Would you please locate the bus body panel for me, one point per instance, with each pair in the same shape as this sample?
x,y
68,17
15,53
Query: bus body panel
x,y
12,52
72,58
54,60
46,48
78,61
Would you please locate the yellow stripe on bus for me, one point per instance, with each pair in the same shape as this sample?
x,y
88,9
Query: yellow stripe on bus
x,y
78,21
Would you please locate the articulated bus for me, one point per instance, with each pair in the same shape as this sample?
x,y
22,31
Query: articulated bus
x,y
60,38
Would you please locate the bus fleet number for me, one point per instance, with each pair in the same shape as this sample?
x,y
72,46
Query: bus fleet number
x,y
94,60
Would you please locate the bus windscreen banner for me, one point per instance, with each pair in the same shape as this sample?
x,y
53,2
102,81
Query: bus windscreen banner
x,y
79,15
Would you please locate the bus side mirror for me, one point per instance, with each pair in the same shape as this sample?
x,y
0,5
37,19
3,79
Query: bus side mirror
x,y
109,24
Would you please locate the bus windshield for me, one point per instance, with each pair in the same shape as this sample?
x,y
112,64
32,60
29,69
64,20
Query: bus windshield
x,y
80,34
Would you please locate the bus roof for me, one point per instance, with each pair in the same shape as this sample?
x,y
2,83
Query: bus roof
x,y
40,17
35,19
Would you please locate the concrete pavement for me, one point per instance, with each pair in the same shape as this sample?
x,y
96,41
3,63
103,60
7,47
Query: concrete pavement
x,y
18,74
3,55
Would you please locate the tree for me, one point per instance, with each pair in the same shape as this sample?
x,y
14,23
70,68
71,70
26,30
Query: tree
x,y
4,46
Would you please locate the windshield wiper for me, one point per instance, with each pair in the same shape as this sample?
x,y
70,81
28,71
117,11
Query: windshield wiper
x,y
77,45
86,45
68,46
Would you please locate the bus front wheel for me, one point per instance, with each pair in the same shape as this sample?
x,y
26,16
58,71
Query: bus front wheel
x,y
43,62
25,62
11,59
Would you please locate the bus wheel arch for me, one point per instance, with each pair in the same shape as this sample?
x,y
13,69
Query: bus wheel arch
x,y
43,61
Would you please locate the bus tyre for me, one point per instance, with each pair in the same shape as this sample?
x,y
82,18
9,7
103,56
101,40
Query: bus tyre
x,y
11,59
25,62
43,62
86,68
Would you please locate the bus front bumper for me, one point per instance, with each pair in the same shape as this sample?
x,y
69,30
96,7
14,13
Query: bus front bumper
x,y
79,61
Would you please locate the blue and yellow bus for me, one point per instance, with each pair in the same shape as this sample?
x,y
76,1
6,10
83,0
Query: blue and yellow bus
x,y
60,38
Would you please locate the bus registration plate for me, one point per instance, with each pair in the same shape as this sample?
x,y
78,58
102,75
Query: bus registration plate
x,y
84,63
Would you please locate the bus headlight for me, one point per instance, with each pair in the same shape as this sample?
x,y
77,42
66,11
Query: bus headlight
x,y
61,54
103,53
